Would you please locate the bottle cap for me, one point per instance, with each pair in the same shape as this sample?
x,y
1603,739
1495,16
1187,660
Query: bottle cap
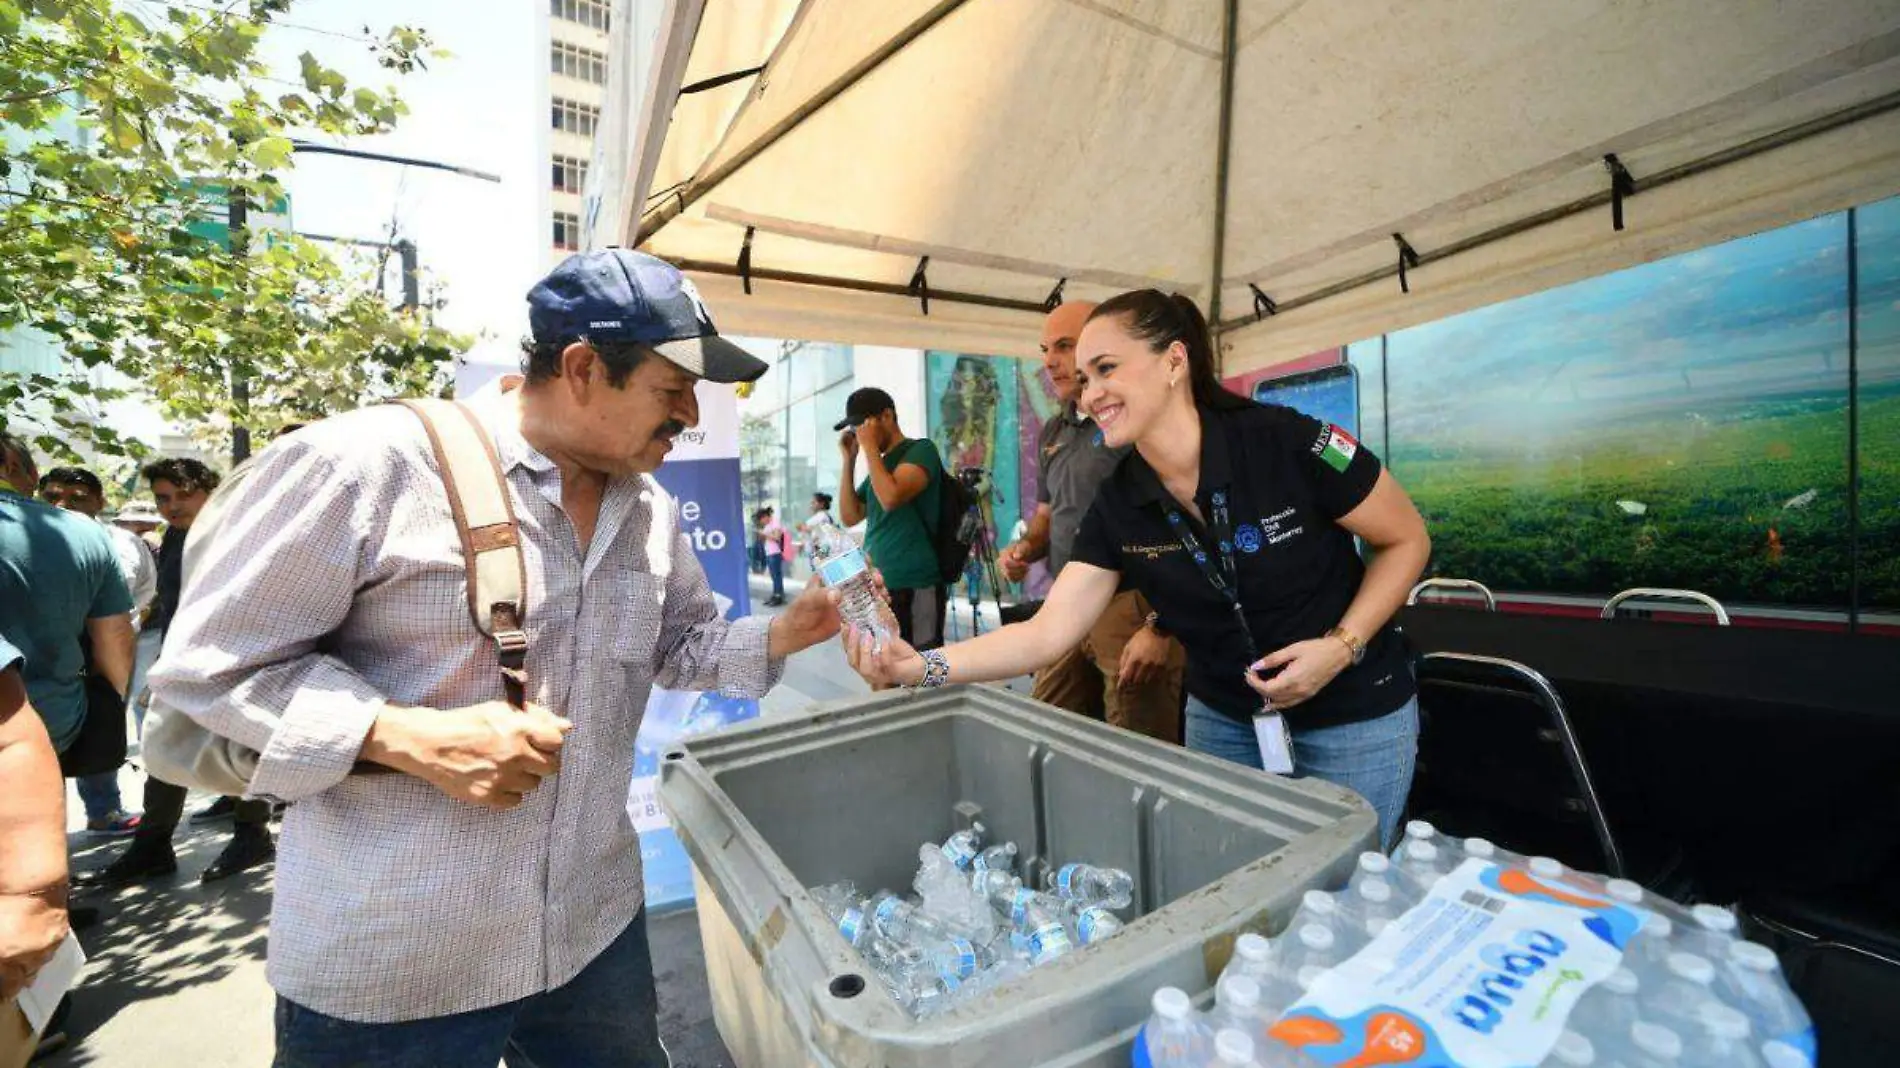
x,y
1316,936
1374,863
1574,1049
1238,992
1659,925
1233,1047
1377,891
1319,901
1754,956
1720,1021
1421,830
1779,1054
1253,948
1481,848
1548,867
1622,982
1656,1040
1423,852
1714,918
1624,890
1172,1003
1695,969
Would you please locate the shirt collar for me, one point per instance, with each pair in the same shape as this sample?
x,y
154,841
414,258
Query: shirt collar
x,y
502,420
1216,469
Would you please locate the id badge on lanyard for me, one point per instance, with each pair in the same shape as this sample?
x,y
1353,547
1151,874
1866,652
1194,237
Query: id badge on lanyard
x,y
1269,727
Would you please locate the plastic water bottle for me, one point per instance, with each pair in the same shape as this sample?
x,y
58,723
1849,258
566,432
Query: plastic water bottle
x,y
1689,985
963,847
1422,863
1624,891
1089,885
1316,906
991,883
1653,943
1653,1046
1172,1036
1314,952
1253,958
1379,866
853,924
1572,1050
1610,1008
996,858
1237,1005
1045,936
1233,1049
1549,869
1095,923
842,567
1754,984
1710,931
1015,902
1723,1039
1491,853
1377,906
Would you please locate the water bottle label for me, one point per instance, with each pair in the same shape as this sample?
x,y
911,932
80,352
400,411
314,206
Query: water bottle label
x,y
1139,1057
964,959
1065,880
842,568
959,852
1048,942
1019,903
850,924
1482,973
887,913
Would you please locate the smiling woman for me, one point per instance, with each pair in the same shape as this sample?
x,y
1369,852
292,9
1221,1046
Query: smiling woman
x,y
1236,520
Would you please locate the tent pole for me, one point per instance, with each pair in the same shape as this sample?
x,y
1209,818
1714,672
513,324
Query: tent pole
x,y
671,209
824,281
1230,35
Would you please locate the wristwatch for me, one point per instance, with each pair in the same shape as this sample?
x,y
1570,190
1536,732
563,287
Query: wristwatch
x,y
1154,624
1353,642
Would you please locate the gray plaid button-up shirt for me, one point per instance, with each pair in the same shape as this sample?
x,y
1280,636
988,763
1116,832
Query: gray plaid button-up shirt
x,y
335,584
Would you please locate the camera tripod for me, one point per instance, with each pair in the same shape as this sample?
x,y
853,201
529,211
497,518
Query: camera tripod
x,y
977,530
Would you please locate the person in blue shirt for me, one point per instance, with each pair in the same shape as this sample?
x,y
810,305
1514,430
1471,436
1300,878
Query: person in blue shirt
x,y
59,579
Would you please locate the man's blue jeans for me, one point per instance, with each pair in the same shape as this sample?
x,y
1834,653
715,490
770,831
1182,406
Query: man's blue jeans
x,y
1373,758
605,1017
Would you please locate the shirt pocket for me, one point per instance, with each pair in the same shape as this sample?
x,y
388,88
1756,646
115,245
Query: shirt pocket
x,y
635,608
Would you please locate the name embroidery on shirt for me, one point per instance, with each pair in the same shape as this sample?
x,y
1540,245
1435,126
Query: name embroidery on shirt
x,y
1152,552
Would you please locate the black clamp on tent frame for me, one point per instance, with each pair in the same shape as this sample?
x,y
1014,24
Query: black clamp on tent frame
x,y
920,284
1408,257
1263,305
1621,185
718,80
745,261
1054,299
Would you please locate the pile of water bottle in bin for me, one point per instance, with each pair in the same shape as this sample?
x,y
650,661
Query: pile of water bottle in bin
x,y
972,923
1458,954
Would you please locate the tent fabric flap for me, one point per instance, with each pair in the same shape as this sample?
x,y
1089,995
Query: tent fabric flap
x,y
998,153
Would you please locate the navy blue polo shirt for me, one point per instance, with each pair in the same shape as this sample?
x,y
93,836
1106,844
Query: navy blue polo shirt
x,y
1289,479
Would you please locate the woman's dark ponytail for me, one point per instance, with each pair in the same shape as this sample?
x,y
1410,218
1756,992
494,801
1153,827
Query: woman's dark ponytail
x,y
1160,320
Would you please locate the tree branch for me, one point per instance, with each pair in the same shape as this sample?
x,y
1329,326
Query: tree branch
x,y
24,97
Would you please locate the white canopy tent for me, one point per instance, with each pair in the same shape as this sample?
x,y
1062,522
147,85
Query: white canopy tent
x,y
850,162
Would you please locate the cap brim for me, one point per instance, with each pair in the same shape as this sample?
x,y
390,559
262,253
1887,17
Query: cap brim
x,y
844,424
713,358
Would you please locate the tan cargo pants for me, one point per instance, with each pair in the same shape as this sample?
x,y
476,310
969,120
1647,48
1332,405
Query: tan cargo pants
x,y
1082,680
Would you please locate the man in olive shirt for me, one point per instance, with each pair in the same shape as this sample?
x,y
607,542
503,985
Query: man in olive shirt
x,y
1129,670
898,503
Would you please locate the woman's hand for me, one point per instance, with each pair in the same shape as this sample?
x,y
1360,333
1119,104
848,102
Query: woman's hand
x,y
1305,669
882,663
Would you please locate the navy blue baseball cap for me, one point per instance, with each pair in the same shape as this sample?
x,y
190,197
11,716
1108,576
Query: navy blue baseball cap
x,y
619,296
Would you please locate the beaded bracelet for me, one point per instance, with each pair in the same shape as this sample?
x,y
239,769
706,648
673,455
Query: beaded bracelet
x,y
936,670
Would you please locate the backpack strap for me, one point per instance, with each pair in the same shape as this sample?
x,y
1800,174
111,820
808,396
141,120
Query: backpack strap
x,y
491,539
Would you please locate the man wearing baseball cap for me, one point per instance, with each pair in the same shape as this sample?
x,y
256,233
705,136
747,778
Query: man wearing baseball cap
x,y
898,503
486,902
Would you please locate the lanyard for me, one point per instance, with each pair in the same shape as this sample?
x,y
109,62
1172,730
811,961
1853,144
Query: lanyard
x,y
1225,578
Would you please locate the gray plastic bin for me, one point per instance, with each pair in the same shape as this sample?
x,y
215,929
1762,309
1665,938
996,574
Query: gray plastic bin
x,y
849,790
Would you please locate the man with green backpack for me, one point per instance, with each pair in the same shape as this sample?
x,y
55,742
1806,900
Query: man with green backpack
x,y
909,536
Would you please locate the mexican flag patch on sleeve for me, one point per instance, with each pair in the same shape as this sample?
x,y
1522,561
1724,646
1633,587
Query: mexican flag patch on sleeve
x,y
1336,448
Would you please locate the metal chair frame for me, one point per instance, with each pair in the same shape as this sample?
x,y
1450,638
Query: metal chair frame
x,y
1539,688
1467,585
1651,593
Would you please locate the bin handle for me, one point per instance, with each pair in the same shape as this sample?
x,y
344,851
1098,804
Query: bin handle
x,y
1661,594
1490,602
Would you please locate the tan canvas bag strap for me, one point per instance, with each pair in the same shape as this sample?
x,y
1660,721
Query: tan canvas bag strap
x,y
491,539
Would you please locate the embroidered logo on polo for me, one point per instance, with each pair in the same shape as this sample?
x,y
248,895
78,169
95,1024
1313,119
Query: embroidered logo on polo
x,y
1335,448
1247,536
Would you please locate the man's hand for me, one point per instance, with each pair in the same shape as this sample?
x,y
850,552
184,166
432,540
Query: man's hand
x,y
1305,669
1143,659
1014,561
31,929
811,618
486,754
848,445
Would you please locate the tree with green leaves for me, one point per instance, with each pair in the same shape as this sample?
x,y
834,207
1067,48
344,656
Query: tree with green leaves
x,y
121,124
